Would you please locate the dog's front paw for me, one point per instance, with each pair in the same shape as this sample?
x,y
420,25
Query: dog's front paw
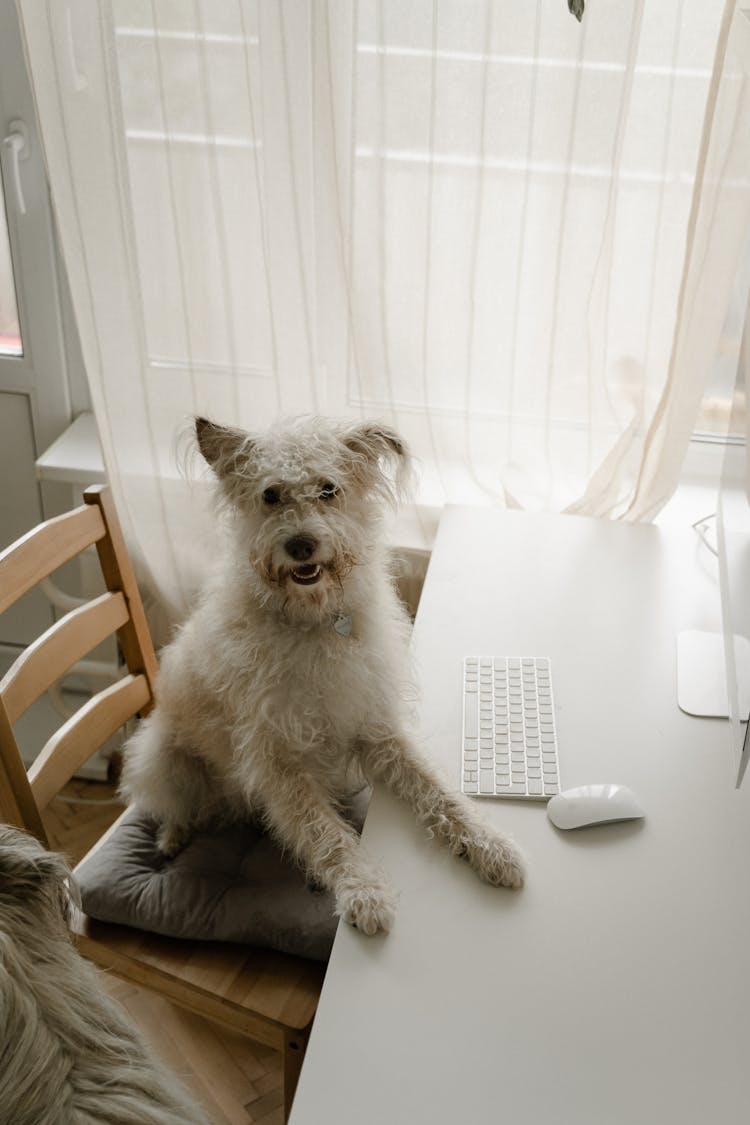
x,y
368,906
496,860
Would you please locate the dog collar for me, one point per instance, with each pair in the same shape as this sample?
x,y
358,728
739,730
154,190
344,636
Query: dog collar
x,y
342,623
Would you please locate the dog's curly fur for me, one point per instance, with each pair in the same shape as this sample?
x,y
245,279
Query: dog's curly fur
x,y
68,1053
286,689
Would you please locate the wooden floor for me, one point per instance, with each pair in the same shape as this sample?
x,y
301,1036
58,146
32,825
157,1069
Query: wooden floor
x,y
237,1082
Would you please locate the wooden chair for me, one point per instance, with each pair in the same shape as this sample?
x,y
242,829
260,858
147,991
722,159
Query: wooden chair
x,y
269,997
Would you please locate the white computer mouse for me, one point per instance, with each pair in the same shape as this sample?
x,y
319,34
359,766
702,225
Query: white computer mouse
x,y
593,804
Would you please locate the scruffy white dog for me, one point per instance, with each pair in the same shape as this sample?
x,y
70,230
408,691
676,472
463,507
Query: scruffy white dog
x,y
68,1053
285,690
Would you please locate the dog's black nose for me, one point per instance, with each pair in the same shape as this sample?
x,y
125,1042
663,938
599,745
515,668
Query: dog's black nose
x,y
300,547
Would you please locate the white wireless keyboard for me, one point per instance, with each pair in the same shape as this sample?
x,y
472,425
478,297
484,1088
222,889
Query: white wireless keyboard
x,y
509,742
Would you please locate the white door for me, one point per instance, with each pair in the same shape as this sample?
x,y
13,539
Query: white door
x,y
35,389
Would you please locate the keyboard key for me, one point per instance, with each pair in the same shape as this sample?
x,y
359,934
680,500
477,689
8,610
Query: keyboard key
x,y
486,781
471,716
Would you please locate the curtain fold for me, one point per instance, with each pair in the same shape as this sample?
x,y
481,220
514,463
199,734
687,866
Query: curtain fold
x,y
511,235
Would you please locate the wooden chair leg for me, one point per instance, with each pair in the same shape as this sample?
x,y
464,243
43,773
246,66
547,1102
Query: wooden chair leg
x,y
293,1054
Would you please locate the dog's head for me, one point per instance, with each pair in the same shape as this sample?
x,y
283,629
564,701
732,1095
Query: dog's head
x,y
308,495
35,884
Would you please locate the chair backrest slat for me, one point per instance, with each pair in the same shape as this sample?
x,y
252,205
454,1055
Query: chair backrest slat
x,y
22,566
134,637
86,730
47,659
34,557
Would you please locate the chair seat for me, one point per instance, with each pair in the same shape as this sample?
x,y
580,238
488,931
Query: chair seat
x,y
260,992
231,883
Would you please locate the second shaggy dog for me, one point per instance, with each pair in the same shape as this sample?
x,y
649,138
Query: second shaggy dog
x,y
68,1053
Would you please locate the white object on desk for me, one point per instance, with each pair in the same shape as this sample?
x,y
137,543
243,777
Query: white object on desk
x,y
589,805
701,673
508,742
613,988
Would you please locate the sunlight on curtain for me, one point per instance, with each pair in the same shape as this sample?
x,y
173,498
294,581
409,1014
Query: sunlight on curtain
x,y
483,222
516,192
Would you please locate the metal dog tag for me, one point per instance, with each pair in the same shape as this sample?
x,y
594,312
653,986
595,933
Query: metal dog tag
x,y
343,625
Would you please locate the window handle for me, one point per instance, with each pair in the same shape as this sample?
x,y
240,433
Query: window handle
x,y
16,144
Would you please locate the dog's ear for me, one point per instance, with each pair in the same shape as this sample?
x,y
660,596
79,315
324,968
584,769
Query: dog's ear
x,y
225,448
28,872
373,440
379,455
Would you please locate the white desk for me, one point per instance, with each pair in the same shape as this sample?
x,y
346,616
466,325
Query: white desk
x,y
615,987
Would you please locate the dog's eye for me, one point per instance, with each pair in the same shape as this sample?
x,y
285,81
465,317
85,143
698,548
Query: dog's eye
x,y
271,496
328,491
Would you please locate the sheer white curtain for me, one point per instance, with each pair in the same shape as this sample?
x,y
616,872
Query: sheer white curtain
x,y
510,234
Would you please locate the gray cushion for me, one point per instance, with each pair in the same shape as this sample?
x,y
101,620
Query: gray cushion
x,y
228,884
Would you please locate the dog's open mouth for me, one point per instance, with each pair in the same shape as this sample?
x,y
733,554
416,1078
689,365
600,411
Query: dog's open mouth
x,y
307,575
